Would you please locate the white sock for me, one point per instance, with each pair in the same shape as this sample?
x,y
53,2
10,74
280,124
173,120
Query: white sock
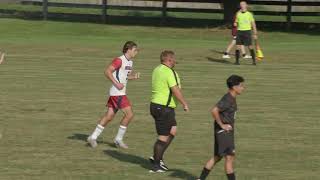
x,y
96,133
121,132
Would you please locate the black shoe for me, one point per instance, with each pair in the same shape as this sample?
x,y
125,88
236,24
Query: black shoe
x,y
157,169
254,63
162,164
236,63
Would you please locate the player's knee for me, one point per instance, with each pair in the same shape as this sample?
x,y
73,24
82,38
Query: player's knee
x,y
173,131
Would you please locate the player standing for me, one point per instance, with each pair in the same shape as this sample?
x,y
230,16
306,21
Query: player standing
x,y
233,43
224,115
245,23
118,72
165,93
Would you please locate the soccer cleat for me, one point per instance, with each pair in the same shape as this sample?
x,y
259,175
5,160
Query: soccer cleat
x,y
120,144
247,57
162,164
254,63
92,142
236,63
157,169
226,56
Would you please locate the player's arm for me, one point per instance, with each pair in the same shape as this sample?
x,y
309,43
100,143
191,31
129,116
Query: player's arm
x,y
176,91
133,76
254,28
109,71
215,112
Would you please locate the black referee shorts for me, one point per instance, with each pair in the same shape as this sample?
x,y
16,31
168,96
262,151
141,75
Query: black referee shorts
x,y
244,38
223,143
164,118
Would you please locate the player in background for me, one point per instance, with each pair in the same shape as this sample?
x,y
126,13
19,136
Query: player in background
x,y
246,25
118,72
233,43
223,114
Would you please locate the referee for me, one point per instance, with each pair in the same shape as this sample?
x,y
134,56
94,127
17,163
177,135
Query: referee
x,y
245,24
165,93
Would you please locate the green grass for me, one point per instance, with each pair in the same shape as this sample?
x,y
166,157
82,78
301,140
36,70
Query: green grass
x,y
52,92
112,12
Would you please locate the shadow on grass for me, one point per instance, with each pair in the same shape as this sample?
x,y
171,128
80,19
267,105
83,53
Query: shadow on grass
x,y
83,137
223,61
144,163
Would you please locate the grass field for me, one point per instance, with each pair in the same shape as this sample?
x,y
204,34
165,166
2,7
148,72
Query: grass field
x,y
52,92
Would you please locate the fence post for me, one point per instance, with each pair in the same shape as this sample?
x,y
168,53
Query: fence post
x,y
164,11
45,9
289,14
104,11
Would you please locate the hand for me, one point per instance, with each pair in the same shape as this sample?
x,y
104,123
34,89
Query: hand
x,y
255,37
186,108
119,86
226,127
137,75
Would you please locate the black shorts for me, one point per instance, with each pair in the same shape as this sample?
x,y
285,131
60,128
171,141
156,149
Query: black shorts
x,y
164,118
223,143
244,38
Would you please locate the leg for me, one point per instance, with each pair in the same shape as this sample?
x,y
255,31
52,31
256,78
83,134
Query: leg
x,y
108,116
209,166
128,116
230,46
229,159
243,50
238,54
253,55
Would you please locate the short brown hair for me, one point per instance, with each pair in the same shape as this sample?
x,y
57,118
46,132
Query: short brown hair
x,y
165,54
128,45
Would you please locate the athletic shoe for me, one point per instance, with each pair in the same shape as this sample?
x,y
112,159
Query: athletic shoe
x,y
92,142
120,144
254,63
162,164
247,57
236,63
226,56
157,169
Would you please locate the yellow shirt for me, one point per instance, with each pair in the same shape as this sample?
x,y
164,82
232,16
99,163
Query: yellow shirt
x,y
244,20
163,78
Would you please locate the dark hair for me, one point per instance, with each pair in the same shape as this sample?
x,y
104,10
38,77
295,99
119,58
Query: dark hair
x,y
128,45
165,54
234,80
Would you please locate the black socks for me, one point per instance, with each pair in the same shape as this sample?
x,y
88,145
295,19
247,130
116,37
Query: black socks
x,y
253,55
237,56
205,172
158,150
231,176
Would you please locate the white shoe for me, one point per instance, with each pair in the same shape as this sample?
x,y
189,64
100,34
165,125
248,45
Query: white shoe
x,y
247,57
226,56
93,142
120,144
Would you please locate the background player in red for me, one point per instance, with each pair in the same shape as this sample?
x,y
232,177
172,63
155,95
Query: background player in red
x,y
118,72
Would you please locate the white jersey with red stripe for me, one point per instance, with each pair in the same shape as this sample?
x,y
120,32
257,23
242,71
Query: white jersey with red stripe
x,y
123,68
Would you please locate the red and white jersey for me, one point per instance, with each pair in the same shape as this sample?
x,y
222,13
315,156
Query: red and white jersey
x,y
123,68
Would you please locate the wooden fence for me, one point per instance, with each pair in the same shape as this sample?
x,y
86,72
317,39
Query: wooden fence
x,y
104,6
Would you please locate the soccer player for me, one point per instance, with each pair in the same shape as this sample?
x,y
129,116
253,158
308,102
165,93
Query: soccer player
x,y
233,43
224,116
166,91
245,23
118,72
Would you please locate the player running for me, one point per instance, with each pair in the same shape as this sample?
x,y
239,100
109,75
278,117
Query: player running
x,y
118,72
165,93
224,118
245,23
